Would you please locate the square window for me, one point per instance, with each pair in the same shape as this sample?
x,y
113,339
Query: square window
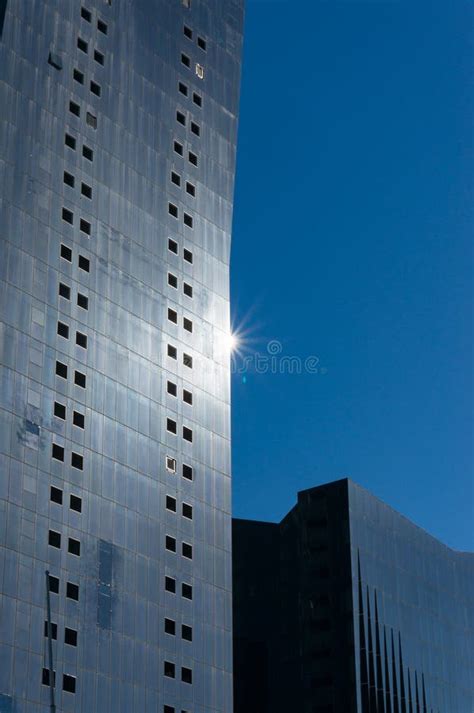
x,y
85,226
188,361
188,220
170,503
172,352
183,89
66,253
186,675
53,584
102,27
70,141
57,452
172,280
202,43
87,153
171,388
68,179
187,511
74,109
77,461
170,627
180,118
187,289
187,397
188,256
175,178
171,426
68,216
70,636
85,14
86,190
91,120
172,315
78,419
78,76
197,99
170,464
80,379
74,547
172,246
195,128
187,632
54,630
178,148
72,591
84,263
173,210
187,324
82,45
54,539
99,57
59,410
82,301
193,158
190,189
75,503
64,291
185,60
69,683
95,88
63,330
170,543
187,472
61,370
169,669
81,340
186,591
188,32
45,677
187,550
170,585
56,495
169,709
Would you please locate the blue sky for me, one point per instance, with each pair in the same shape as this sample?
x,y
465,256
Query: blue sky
x,y
352,242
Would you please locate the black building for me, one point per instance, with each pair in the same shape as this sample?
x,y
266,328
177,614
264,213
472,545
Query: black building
x,y
348,607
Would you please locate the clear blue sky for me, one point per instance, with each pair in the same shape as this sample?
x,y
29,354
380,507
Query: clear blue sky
x,y
352,241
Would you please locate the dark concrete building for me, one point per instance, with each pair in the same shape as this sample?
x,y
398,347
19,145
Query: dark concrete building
x,y
118,127
348,607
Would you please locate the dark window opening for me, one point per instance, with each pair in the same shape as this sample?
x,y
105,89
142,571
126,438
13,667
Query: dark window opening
x,y
187,550
188,361
170,503
95,88
180,118
85,226
74,108
197,99
185,60
88,153
86,190
186,675
195,128
172,315
85,14
102,27
99,57
82,45
54,59
170,627
172,352
186,632
54,630
178,148
53,584
187,397
202,43
173,210
187,324
169,669
75,503
173,246
68,179
61,370
78,76
171,464
63,330
183,89
187,289
70,637
77,461
188,220
186,591
188,511
57,452
193,158
68,216
45,677
64,291
59,410
171,425
170,543
82,301
187,472
175,178
91,120
187,434
190,189
170,585
172,280
74,547
171,388
70,141
81,340
72,591
188,256
84,263
66,253
80,379
56,495
78,419
69,683
54,539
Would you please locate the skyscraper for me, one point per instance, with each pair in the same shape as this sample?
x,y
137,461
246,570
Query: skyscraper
x,y
348,607
118,139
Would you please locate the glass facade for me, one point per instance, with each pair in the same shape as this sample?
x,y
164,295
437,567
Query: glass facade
x,y
348,607
117,159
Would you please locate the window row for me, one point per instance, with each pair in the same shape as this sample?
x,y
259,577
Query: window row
x,y
181,119
173,317
186,589
186,631
169,670
82,262
173,248
187,219
186,548
56,496
57,452
84,225
184,90
187,470
78,418
190,187
70,635
172,389
186,509
63,331
65,291
73,545
84,47
72,590
69,682
173,354
178,148
71,143
172,427
79,77
91,119
70,181
173,282
87,16
201,42
62,371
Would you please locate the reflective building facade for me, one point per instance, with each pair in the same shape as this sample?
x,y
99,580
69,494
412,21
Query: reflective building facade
x,y
348,607
117,159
